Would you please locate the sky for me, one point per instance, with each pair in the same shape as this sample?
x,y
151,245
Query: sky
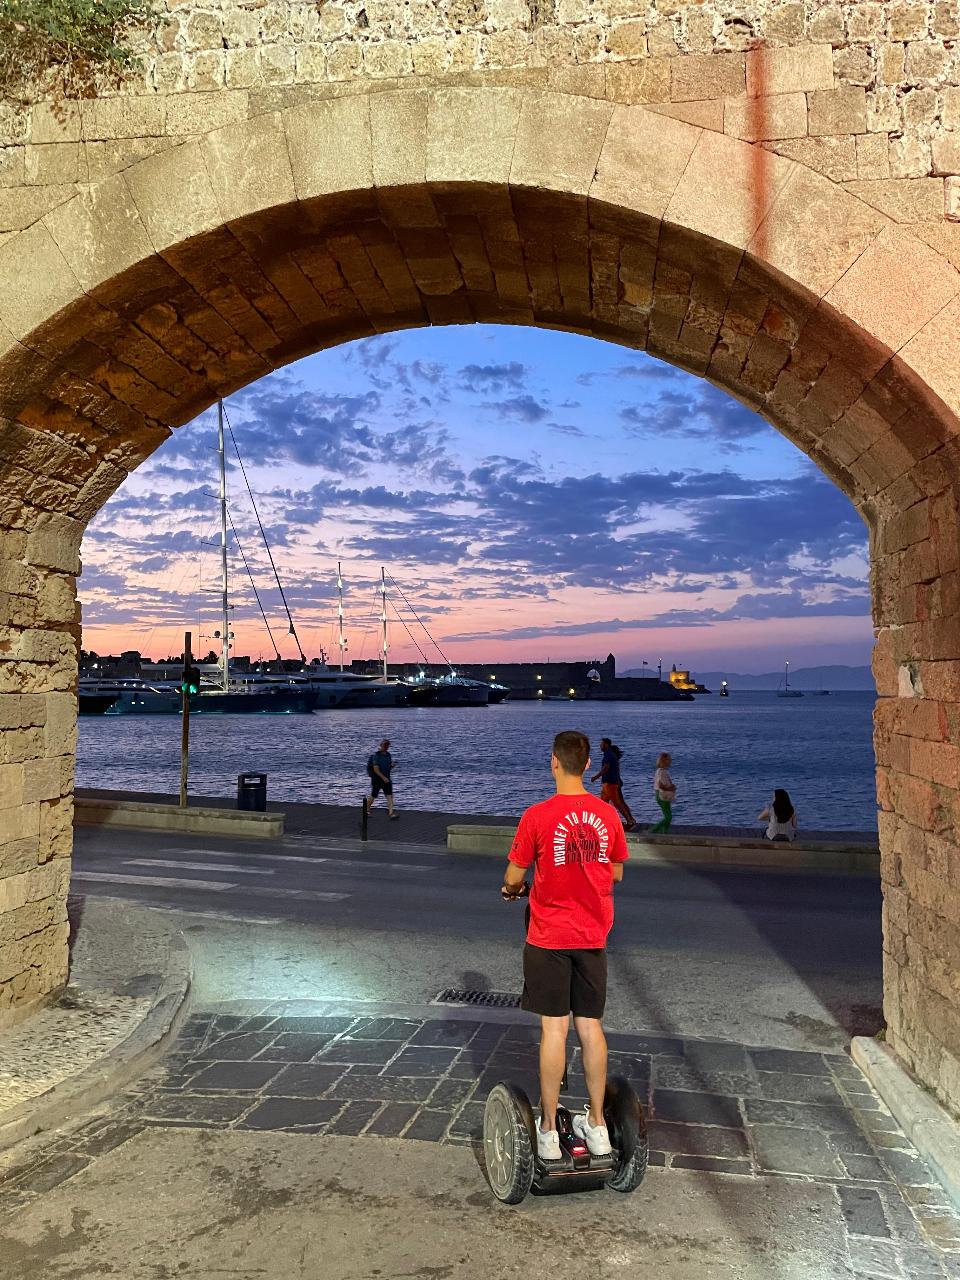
x,y
531,494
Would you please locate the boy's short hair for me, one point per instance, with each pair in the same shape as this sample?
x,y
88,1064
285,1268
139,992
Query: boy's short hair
x,y
572,750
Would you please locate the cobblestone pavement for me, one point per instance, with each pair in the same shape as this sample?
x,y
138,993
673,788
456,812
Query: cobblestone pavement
x,y
722,1108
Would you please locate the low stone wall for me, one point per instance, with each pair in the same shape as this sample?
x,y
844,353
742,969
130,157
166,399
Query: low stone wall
x,y
718,851
168,817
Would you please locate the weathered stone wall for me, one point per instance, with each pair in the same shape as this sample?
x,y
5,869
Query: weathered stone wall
x,y
784,219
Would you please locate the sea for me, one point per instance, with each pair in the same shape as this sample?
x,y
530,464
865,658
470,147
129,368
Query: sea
x,y
728,755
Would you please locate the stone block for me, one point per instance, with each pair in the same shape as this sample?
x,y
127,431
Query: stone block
x,y
714,75
48,125
558,142
837,111
59,731
249,166
35,256
835,158
99,232
717,193
873,156
471,134
789,70
854,65
946,153
330,146
41,780
21,822
934,354
951,199
761,119
635,82
54,163
627,39
195,113
907,20
890,64
927,60
905,200
826,24
815,232
919,108
705,115
642,160
123,117
398,134
909,157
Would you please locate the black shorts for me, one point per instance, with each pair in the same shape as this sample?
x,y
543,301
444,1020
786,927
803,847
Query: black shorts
x,y
556,983
377,785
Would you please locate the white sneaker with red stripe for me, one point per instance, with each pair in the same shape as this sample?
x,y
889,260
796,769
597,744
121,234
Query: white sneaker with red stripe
x,y
594,1135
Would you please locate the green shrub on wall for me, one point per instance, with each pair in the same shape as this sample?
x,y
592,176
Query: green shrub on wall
x,y
67,48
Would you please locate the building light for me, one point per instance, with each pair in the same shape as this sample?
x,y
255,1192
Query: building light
x,y
493,677
539,691
570,691
539,677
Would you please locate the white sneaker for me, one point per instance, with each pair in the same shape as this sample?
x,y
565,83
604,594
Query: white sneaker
x,y
548,1144
594,1135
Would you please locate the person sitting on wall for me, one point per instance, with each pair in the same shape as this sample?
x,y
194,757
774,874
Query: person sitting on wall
x,y
780,817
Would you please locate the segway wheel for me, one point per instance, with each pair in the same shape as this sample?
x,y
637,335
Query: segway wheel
x,y
628,1134
508,1143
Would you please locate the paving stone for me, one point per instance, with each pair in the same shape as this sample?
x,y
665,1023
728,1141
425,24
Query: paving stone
x,y
290,1113
393,1119
259,1022
239,1048
445,1032
636,1069
713,1164
878,1261
789,1061
862,1101
208,1108
382,1088
238,1076
649,1045
429,1126
900,1217
803,1115
305,1079
868,1168
314,1026
468,1122
707,1056
47,1174
385,1029
697,1108
696,1140
294,1046
421,1062
908,1169
844,1068
354,1118
670,1075
798,1088
450,1093
109,1138
228,1021
781,1149
658,1159
862,1211
350,1051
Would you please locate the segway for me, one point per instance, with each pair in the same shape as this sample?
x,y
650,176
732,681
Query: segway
x,y
512,1162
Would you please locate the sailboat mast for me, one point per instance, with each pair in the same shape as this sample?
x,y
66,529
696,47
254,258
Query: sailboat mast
x,y
383,616
224,585
340,640
786,676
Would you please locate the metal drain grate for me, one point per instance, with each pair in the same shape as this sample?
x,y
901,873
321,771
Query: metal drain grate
x,y
488,999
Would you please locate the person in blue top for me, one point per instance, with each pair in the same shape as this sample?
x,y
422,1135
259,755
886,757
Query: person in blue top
x,y
611,783
380,767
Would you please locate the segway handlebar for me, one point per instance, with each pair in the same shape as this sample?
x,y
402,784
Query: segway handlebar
x,y
510,895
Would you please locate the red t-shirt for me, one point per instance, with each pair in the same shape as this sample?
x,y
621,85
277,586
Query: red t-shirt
x,y
574,841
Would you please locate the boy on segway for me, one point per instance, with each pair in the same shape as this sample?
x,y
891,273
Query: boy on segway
x,y
577,846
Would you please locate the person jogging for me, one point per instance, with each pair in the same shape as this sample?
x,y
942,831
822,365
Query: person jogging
x,y
611,781
576,845
380,767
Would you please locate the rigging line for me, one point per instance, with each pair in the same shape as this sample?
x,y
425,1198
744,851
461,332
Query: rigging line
x,y
243,557
403,623
263,535
422,624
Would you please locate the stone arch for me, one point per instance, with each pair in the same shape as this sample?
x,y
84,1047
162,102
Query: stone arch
x,y
132,306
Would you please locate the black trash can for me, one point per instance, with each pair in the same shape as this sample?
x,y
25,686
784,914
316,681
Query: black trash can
x,y
252,792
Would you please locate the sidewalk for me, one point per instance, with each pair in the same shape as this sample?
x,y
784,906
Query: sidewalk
x,y
307,1138
422,826
129,976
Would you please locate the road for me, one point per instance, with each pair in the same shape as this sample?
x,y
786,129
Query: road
x,y
789,961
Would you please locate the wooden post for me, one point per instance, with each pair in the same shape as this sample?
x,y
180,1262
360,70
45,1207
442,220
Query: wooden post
x,y
185,721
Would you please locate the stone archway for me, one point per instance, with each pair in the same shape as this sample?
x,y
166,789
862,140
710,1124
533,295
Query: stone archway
x,y
131,307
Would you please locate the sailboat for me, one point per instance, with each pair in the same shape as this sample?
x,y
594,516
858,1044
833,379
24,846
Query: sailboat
x,y
786,691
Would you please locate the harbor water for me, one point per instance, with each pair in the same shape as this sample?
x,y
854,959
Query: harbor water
x,y
729,754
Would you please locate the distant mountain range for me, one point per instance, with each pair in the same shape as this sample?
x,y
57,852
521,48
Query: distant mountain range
x,y
841,679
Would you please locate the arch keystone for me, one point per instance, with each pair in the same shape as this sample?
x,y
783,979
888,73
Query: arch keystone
x,y
471,134
174,195
330,147
249,166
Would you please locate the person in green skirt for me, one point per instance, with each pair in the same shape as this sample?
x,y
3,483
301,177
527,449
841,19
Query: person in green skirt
x,y
665,791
